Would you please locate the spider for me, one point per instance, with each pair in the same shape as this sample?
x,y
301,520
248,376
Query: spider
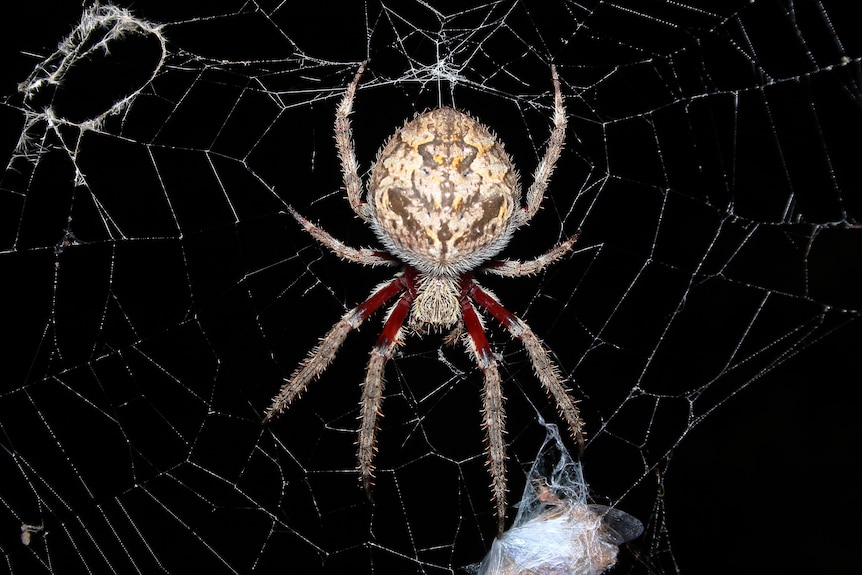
x,y
443,199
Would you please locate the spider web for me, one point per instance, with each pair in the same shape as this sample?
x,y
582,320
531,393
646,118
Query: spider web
x,y
156,291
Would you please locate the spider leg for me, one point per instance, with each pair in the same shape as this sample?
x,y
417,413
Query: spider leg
x,y
364,256
546,370
515,268
493,412
543,172
321,356
347,152
372,387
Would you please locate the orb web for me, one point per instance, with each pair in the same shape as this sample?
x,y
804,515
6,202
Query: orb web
x,y
158,290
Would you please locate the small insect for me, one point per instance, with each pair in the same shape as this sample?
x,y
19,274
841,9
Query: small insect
x,y
566,537
617,526
443,199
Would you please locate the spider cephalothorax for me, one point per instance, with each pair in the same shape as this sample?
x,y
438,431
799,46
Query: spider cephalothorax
x,y
443,199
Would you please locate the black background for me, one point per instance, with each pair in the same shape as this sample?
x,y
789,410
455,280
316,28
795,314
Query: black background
x,y
202,325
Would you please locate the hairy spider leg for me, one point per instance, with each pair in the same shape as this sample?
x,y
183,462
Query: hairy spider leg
x,y
372,387
347,152
546,370
364,256
493,414
322,355
542,175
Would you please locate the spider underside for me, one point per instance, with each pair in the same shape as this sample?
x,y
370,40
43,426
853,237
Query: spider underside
x,y
443,199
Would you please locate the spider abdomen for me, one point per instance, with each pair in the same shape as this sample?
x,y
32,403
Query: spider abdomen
x,y
443,193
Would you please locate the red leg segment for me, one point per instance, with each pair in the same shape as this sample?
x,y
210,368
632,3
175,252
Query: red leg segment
x,y
495,308
383,295
474,326
493,412
372,387
320,357
546,370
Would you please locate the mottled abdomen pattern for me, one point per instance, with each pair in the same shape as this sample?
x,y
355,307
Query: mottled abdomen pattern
x,y
444,193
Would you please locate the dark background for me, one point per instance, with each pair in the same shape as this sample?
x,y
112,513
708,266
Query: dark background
x,y
710,320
